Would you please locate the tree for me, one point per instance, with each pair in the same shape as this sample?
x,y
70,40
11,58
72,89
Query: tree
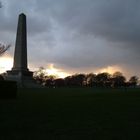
x,y
3,48
39,75
75,80
0,4
133,81
90,79
118,80
42,77
78,79
68,80
102,79
59,82
117,74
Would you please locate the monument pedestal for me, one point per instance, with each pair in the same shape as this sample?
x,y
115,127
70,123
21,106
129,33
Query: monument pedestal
x,y
20,72
23,78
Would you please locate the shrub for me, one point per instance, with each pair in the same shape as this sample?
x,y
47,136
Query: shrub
x,y
8,89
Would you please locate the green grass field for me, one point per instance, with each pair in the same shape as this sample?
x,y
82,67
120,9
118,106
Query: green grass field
x,y
71,114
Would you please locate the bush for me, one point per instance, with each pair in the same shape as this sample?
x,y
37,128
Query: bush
x,y
8,89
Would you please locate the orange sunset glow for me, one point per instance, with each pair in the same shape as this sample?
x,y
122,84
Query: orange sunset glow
x,y
51,70
109,69
6,63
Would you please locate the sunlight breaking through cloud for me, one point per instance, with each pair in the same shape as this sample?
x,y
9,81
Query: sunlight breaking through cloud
x,y
51,70
109,69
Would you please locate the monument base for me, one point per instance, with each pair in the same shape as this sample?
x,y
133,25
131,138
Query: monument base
x,y
20,73
23,78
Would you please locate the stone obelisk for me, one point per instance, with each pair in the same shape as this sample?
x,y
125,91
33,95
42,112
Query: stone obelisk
x,y
20,72
20,56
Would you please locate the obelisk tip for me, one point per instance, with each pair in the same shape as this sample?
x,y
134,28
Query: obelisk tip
x,y
22,14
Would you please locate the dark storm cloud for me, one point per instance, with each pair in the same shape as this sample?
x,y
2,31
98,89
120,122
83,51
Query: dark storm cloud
x,y
78,33
9,14
113,20
117,22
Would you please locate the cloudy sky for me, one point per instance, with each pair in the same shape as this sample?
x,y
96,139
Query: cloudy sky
x,y
77,35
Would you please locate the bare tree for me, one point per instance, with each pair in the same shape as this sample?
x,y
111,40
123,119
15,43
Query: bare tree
x,y
3,48
0,4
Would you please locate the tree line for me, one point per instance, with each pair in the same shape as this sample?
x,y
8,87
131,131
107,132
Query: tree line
x,y
101,80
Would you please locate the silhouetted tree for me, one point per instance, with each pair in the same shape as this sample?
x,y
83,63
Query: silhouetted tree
x,y
4,48
49,81
117,73
133,81
102,79
59,82
39,75
0,4
75,80
79,79
118,80
90,80
68,81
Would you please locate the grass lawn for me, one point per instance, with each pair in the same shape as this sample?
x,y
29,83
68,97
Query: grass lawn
x,y
71,114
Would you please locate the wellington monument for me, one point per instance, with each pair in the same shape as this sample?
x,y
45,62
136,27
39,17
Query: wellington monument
x,y
20,71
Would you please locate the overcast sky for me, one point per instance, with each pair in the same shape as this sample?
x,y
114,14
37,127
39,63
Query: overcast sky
x,y
77,35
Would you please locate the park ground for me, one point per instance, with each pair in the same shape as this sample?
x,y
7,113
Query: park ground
x,y
71,114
